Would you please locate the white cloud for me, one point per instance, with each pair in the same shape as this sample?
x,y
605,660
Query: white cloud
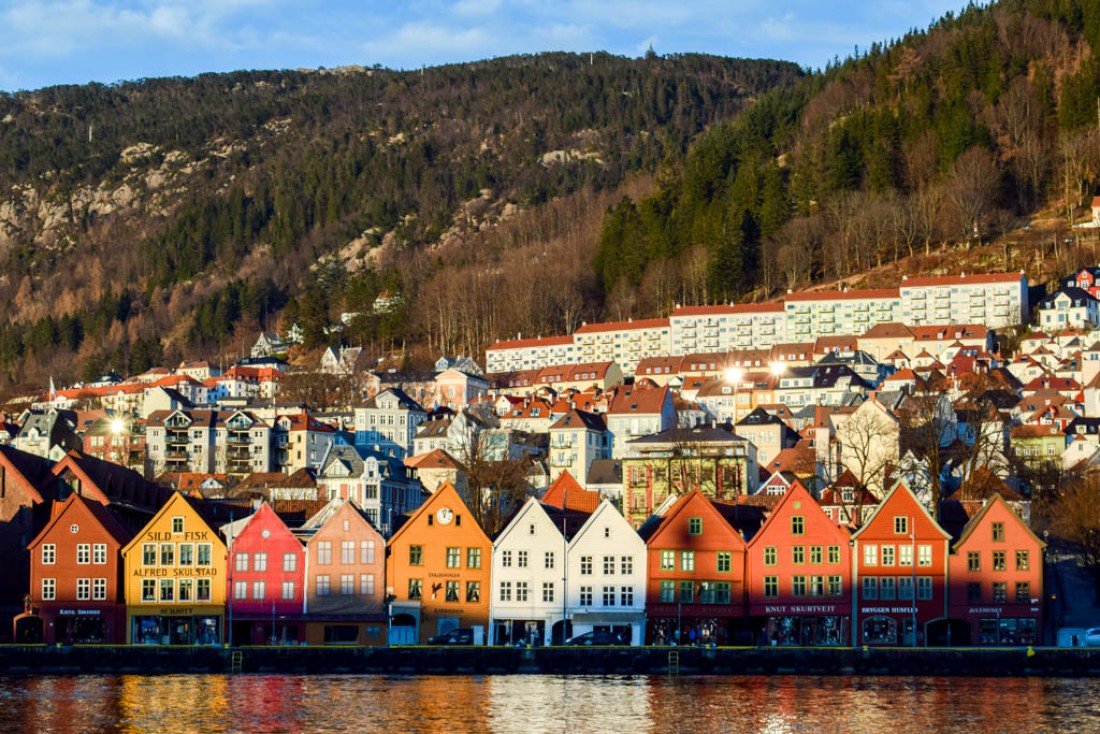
x,y
413,40
475,7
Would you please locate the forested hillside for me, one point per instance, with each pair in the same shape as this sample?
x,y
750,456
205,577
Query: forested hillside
x,y
950,136
163,217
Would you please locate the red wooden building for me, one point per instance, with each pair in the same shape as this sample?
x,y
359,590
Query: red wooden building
x,y
696,566
266,577
901,573
996,580
799,575
76,592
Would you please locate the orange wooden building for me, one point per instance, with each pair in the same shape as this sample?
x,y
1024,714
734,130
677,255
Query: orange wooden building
x,y
996,580
438,567
76,577
696,584
900,573
800,574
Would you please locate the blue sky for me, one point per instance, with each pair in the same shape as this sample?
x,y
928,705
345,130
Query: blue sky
x,y
46,42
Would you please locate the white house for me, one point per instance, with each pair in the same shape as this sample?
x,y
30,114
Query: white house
x,y
606,577
527,604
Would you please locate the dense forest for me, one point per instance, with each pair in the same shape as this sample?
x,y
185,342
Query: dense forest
x,y
165,217
954,135
191,212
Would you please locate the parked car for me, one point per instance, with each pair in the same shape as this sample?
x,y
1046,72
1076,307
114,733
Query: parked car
x,y
460,636
596,637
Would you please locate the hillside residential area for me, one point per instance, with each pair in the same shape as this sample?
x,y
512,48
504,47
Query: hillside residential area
x,y
843,468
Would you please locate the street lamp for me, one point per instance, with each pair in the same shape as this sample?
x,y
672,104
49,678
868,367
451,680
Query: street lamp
x,y
913,565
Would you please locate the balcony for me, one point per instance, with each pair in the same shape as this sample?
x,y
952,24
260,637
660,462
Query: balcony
x,y
238,439
176,439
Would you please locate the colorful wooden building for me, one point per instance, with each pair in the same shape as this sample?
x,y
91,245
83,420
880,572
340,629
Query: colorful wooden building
x,y
696,578
996,581
266,581
900,573
606,577
800,575
345,577
438,568
175,571
76,577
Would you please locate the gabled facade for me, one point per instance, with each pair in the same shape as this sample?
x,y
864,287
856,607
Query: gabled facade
x,y
242,444
996,580
900,573
181,441
375,482
266,581
389,422
76,577
528,601
695,590
606,577
345,587
175,571
438,567
799,575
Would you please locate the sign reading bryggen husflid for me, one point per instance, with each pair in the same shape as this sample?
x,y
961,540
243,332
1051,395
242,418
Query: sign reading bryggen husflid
x,y
175,579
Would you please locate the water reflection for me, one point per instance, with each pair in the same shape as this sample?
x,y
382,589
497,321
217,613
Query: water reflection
x,y
537,704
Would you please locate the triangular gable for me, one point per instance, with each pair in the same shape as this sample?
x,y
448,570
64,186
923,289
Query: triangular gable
x,y
604,508
796,493
444,494
76,505
885,503
980,516
700,505
170,506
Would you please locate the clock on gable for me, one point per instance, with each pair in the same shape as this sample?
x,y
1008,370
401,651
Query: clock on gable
x,y
444,515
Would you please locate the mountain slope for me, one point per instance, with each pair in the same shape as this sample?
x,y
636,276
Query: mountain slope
x,y
179,214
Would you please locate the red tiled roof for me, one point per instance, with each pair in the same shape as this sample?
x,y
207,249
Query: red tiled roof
x,y
969,279
565,489
850,295
628,325
542,341
727,309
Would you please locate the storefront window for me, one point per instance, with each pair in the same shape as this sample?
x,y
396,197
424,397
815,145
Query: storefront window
x,y
880,631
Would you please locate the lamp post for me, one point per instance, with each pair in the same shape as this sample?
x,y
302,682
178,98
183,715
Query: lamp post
x,y
913,542
564,565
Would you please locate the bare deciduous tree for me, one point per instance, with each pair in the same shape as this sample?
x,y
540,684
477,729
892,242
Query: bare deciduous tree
x,y
972,190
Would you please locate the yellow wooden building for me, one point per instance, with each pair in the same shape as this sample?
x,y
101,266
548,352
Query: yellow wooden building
x,y
175,580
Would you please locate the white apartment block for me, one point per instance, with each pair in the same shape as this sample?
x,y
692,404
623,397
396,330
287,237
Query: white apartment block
x,y
726,328
836,313
243,445
181,441
996,300
623,342
389,422
526,354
